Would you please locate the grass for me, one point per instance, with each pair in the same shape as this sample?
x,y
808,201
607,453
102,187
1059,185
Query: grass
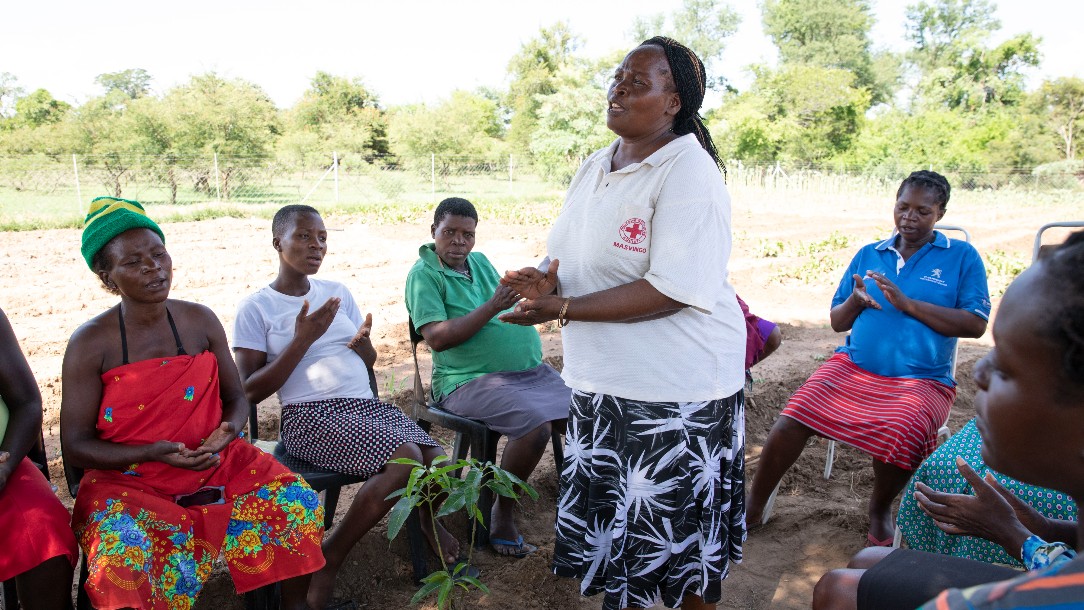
x,y
1001,269
382,196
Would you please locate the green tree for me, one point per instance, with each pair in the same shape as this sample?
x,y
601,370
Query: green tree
x,y
335,114
958,69
133,82
233,118
998,140
533,72
944,31
39,108
99,133
1062,102
571,121
830,34
797,112
464,126
702,25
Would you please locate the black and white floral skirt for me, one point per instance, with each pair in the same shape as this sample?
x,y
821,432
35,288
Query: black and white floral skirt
x,y
652,498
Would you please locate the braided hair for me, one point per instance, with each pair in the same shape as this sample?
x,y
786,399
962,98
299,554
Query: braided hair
x,y
1064,298
932,182
690,81
286,215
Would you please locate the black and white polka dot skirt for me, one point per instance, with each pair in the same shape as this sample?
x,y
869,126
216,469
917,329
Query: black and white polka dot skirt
x,y
350,435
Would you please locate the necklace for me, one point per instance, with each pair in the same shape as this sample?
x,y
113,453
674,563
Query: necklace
x,y
465,272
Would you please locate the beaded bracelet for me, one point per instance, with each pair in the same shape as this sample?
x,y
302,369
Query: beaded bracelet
x,y
562,321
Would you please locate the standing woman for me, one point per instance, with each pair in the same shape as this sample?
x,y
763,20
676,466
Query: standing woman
x,y
651,504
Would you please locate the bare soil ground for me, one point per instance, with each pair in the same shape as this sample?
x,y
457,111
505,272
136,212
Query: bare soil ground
x,y
818,524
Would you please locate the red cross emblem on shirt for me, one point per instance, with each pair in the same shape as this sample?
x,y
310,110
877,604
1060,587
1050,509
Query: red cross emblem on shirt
x,y
633,231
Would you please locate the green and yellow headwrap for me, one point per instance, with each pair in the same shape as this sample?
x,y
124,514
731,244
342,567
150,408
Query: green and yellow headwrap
x,y
107,218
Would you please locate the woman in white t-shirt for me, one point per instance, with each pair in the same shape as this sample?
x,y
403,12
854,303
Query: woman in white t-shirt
x,y
318,364
652,493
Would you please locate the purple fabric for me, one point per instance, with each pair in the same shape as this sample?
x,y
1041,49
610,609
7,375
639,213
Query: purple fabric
x,y
756,334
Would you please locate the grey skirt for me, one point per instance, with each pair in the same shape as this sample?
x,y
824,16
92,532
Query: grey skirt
x,y
512,402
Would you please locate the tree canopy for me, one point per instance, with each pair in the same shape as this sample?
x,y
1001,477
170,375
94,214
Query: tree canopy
x,y
954,100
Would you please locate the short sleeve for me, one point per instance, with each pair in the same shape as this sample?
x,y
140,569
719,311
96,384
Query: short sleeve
x,y
974,293
691,239
424,300
250,328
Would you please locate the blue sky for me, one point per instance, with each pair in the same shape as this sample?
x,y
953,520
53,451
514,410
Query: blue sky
x,y
404,50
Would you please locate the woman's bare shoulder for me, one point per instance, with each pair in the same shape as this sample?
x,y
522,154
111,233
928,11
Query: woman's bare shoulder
x,y
190,311
101,326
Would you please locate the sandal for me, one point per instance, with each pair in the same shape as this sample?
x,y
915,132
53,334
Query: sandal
x,y
871,541
517,548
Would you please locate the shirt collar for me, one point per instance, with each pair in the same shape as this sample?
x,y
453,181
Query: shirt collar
x,y
939,241
428,254
655,159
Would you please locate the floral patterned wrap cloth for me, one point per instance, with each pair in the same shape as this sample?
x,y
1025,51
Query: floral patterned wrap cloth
x,y
147,551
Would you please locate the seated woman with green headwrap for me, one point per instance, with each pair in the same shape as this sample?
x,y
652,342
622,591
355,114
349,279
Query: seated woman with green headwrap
x,y
153,409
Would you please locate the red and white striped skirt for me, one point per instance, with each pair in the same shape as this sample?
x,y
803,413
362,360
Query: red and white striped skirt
x,y
894,419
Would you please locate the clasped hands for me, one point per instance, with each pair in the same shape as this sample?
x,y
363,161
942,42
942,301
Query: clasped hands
x,y
201,458
891,291
536,290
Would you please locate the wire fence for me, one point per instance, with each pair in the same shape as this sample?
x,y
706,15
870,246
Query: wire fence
x,y
50,187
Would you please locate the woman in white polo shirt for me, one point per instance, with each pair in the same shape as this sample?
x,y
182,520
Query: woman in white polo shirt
x,y
652,493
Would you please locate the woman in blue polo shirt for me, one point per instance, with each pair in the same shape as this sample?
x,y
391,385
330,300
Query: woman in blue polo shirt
x,y
888,389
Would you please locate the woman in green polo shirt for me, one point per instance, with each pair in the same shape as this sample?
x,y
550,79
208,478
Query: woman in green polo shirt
x,y
483,368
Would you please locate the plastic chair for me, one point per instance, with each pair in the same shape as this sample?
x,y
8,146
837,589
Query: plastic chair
x,y
943,433
470,435
331,483
1038,249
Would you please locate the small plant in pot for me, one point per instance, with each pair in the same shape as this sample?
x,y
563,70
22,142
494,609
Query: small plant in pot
x,y
429,485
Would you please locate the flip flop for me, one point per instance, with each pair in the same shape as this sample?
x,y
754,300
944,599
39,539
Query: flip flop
x,y
871,541
521,548
346,605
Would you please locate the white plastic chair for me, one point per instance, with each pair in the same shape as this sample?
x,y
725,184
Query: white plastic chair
x,y
1050,225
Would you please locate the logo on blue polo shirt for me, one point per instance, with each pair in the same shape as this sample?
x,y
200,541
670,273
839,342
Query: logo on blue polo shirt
x,y
934,276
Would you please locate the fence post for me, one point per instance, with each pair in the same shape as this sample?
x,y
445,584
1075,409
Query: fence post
x,y
433,173
218,181
335,164
78,191
509,173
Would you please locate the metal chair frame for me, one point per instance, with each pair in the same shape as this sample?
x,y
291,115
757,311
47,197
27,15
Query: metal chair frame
x,y
470,435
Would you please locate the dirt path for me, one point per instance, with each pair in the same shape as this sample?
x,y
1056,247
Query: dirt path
x,y
818,524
